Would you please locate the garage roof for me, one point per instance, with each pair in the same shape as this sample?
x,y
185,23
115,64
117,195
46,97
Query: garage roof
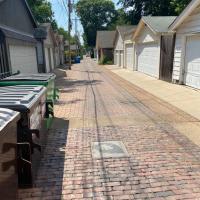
x,y
129,34
123,29
105,39
159,24
15,34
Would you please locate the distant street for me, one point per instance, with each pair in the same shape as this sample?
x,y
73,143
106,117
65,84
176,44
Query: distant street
x,y
111,140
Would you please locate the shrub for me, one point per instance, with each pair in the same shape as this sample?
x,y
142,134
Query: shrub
x,y
106,61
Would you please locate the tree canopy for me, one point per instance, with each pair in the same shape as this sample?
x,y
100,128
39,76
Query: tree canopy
x,y
73,39
95,15
135,9
42,11
120,19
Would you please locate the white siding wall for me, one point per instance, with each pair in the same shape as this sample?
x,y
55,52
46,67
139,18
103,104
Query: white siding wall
x,y
119,48
190,26
119,43
177,58
129,57
147,36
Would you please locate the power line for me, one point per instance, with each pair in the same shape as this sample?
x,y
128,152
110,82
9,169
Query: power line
x,y
64,6
63,10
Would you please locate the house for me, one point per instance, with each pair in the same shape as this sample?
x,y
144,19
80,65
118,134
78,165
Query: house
x,y
17,42
187,48
119,45
129,49
148,38
104,44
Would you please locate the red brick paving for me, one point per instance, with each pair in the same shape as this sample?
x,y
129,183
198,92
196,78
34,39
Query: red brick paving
x,y
162,164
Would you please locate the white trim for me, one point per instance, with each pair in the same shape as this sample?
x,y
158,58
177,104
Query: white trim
x,y
183,57
140,26
188,10
182,64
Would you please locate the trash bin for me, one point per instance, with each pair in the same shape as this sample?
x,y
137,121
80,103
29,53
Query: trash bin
x,y
78,59
47,80
31,130
8,153
29,89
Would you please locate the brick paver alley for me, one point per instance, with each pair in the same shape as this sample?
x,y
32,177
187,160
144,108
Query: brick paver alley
x,y
97,106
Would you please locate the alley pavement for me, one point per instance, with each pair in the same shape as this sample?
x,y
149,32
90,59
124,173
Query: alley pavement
x,y
111,140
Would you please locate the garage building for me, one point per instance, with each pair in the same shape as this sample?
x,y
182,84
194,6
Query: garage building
x,y
147,39
119,45
129,49
48,45
187,48
104,45
17,42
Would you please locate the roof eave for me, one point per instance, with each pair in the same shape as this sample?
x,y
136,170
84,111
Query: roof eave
x,y
150,27
186,12
31,14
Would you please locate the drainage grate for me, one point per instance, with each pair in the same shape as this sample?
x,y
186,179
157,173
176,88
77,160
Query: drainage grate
x,y
109,149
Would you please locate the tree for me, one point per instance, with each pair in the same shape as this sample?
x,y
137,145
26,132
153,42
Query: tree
x,y
95,15
120,19
42,11
179,5
63,32
73,39
135,9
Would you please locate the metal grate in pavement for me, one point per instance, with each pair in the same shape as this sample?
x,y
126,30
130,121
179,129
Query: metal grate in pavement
x,y
109,149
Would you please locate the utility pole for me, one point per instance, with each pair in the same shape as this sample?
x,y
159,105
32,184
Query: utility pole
x,y
69,31
76,33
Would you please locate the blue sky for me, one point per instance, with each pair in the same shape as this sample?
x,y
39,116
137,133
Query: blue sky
x,y
61,15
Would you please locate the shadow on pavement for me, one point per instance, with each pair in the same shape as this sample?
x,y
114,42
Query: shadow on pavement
x,y
50,176
63,83
49,181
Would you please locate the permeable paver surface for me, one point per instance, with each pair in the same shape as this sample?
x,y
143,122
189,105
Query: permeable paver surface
x,y
111,140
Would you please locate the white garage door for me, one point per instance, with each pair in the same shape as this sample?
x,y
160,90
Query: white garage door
x,y
121,59
148,58
23,58
192,62
129,56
